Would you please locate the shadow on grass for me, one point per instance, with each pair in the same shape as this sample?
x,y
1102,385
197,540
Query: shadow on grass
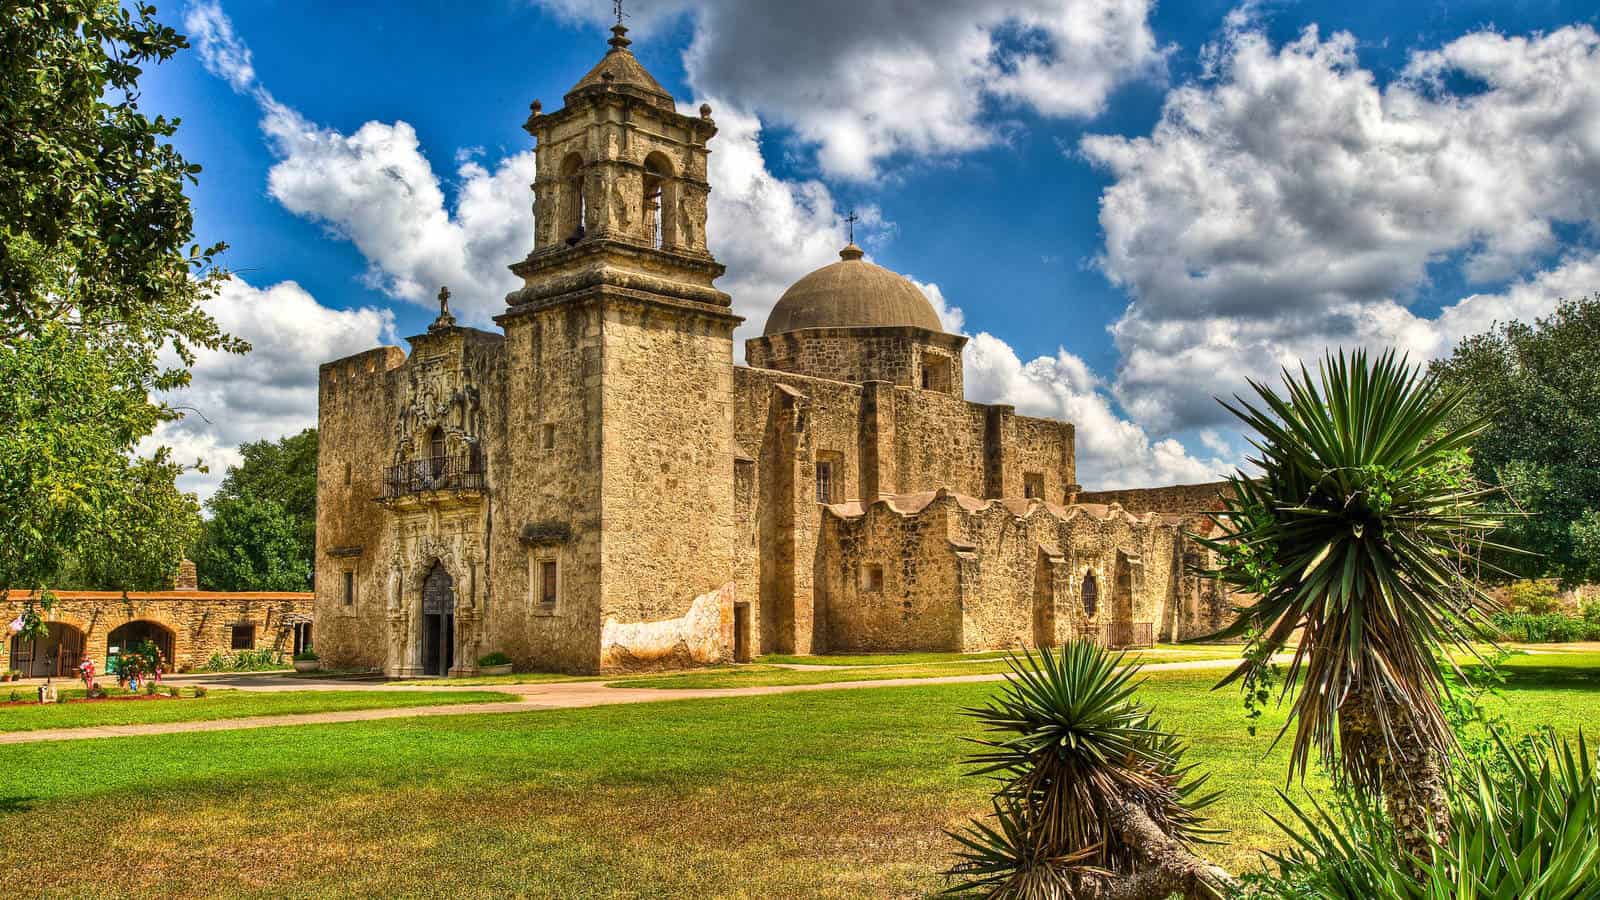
x,y
1552,677
12,805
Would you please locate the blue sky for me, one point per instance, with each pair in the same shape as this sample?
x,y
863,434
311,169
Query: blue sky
x,y
1130,207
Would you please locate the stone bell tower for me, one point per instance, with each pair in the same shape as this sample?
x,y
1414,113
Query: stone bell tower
x,y
620,354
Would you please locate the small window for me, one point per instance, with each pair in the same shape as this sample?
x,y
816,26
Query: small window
x,y
936,373
547,436
872,579
1033,486
346,473
242,637
349,588
1091,594
549,582
824,482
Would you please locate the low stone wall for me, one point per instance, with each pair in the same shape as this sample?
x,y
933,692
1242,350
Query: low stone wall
x,y
196,624
1176,498
704,636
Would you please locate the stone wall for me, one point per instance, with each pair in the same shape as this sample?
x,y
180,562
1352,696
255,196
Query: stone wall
x,y
702,636
198,623
943,571
1177,498
894,354
358,400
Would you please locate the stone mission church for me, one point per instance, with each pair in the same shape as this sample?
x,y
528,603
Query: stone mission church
x,y
597,486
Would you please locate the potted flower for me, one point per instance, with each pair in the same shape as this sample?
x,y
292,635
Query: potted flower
x,y
496,663
306,661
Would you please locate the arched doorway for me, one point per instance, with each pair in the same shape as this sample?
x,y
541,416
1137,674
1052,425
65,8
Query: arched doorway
x,y
438,621
52,656
129,635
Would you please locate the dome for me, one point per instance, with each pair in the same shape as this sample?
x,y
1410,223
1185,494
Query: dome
x,y
852,293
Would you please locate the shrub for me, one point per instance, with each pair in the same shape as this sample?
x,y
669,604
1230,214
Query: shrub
x,y
306,655
1547,628
494,659
264,660
1536,597
1524,829
199,691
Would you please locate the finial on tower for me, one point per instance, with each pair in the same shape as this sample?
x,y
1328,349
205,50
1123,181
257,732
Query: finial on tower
x,y
446,318
619,32
851,221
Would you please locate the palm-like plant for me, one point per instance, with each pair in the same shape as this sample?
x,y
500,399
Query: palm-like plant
x,y
1531,833
1362,531
1093,799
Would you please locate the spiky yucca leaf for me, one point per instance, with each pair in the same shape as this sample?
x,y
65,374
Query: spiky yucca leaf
x,y
1531,834
1363,530
1069,746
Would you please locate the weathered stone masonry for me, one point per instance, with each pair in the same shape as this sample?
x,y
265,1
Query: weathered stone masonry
x,y
600,487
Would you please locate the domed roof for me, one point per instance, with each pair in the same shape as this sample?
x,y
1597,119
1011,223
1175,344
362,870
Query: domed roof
x,y
620,68
852,293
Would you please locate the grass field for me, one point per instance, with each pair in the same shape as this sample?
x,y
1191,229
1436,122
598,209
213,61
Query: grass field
x,y
840,794
1160,652
219,704
761,674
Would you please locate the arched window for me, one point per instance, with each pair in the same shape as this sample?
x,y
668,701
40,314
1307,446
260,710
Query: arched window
x,y
436,452
572,199
1091,594
660,202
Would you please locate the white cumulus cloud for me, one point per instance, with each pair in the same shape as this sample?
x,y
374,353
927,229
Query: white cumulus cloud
x,y
1290,203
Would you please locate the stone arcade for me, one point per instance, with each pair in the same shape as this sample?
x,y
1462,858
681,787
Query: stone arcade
x,y
599,487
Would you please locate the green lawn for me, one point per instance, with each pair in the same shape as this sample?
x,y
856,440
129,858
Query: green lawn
x,y
1159,653
220,704
837,794
760,674
513,678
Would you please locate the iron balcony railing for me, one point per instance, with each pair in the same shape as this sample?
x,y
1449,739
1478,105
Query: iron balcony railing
x,y
436,473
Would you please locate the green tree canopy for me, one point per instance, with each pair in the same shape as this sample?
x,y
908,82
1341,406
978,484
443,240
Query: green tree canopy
x,y
279,474
250,544
1538,386
101,293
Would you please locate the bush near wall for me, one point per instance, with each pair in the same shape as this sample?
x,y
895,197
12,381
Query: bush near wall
x,y
1550,627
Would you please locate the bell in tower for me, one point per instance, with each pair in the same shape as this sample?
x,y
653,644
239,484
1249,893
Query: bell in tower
x,y
620,198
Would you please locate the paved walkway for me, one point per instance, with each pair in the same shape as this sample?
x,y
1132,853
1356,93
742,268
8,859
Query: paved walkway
x,y
532,697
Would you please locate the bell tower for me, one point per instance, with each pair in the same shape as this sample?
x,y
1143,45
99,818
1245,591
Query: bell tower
x,y
621,192
619,365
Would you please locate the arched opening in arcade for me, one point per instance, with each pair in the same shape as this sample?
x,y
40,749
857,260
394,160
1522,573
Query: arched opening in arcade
x,y
132,635
52,656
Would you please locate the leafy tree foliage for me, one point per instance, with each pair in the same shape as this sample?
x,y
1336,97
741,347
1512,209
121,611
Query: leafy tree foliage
x,y
250,543
283,472
1539,388
101,293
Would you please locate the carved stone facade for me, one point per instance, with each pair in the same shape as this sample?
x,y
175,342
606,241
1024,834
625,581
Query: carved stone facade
x,y
600,487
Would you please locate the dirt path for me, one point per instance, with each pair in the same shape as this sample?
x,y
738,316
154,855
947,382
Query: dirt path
x,y
533,697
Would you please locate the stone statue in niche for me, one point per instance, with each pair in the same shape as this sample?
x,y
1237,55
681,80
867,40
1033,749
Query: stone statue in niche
x,y
691,218
621,216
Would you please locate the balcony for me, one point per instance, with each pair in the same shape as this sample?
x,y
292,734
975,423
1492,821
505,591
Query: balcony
x,y
454,474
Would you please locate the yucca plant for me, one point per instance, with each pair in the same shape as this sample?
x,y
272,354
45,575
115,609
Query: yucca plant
x,y
1530,833
1092,797
1363,532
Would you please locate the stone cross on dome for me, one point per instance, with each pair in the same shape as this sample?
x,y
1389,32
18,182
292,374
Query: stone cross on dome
x,y
619,31
851,219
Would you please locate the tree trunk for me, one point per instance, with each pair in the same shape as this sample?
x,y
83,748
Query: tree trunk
x,y
1169,866
1409,772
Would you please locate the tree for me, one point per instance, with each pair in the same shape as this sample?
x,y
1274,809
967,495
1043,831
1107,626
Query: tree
x,y
1362,532
250,543
101,293
283,472
1539,387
